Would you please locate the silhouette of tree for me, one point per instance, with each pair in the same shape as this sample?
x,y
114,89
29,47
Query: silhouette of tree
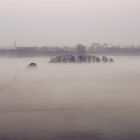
x,y
80,49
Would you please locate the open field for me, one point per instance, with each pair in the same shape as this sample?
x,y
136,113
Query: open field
x,y
70,101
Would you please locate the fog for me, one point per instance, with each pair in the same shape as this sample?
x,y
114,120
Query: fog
x,y
69,101
68,22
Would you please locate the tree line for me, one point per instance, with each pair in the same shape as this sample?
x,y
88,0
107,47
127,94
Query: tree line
x,y
79,49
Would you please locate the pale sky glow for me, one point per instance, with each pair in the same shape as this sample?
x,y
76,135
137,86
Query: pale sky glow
x,y
68,22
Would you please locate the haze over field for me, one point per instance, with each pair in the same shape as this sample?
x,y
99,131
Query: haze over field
x,y
68,22
70,101
57,82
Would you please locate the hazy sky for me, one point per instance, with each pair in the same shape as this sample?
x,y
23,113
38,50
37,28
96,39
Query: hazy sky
x,y
68,22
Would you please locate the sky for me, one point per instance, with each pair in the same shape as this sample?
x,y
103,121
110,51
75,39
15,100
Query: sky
x,y
69,22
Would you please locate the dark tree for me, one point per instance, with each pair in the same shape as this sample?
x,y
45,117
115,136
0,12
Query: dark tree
x,y
81,49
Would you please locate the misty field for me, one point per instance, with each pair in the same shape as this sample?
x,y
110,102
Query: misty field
x,y
70,101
